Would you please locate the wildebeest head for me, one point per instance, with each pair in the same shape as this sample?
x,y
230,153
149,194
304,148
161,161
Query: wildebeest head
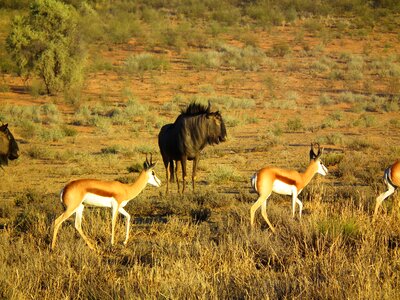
x,y
8,146
216,128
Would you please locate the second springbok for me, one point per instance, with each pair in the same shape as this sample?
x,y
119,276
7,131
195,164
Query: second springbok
x,y
391,178
284,182
114,194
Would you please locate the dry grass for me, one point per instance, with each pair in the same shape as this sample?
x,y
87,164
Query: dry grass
x,y
334,252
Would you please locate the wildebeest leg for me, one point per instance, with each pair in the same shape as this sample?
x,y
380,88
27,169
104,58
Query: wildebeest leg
x,y
195,163
177,175
171,171
183,163
166,174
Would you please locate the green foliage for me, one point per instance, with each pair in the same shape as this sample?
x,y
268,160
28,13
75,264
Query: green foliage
x,y
46,43
295,124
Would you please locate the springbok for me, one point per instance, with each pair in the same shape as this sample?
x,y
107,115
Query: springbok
x,y
113,194
284,182
391,178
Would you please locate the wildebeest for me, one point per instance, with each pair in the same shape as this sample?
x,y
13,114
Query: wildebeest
x,y
8,146
195,128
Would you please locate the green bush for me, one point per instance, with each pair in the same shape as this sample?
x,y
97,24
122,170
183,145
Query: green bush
x,y
46,43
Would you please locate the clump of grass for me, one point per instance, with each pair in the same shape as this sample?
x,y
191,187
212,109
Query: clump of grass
x,y
365,120
139,64
225,174
246,59
358,144
135,168
293,125
205,60
115,149
279,49
331,159
332,139
281,104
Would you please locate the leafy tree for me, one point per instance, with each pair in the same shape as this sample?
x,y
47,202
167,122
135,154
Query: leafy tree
x,y
46,43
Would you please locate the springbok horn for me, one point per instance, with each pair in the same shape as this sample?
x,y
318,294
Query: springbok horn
x,y
209,106
319,150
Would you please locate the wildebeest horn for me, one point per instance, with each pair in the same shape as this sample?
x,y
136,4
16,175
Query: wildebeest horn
x,y
209,107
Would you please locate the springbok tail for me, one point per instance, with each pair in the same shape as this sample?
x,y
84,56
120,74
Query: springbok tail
x,y
61,198
254,181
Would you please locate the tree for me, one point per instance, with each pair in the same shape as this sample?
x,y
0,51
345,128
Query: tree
x,y
46,43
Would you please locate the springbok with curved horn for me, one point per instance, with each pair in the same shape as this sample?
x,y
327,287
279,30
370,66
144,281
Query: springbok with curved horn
x,y
391,178
284,182
113,194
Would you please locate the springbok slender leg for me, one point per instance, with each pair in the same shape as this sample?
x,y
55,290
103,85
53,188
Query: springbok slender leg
x,y
78,225
261,201
382,197
115,209
264,214
127,223
57,223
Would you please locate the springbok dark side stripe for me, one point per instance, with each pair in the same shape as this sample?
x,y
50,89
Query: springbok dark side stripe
x,y
285,179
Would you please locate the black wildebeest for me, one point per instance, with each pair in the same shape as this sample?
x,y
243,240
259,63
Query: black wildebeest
x,y
195,128
8,146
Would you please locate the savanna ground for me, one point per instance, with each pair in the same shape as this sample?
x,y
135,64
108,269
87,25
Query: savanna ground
x,y
328,79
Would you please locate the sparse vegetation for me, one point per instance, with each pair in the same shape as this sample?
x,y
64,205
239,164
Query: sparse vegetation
x,y
282,74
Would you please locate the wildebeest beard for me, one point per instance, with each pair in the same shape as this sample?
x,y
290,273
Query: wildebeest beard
x,y
202,131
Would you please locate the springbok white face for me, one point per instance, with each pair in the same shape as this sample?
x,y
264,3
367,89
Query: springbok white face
x,y
153,179
321,168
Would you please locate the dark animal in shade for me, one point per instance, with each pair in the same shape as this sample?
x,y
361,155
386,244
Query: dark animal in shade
x,y
195,128
8,146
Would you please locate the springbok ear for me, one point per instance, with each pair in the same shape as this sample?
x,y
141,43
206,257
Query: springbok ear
x,y
312,153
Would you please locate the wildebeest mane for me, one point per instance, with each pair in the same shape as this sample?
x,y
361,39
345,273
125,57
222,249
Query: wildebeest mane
x,y
195,108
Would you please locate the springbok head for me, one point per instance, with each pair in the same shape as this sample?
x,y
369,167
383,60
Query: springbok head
x,y
317,158
148,167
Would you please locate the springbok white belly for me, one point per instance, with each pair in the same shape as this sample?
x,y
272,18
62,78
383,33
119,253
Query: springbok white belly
x,y
282,188
96,200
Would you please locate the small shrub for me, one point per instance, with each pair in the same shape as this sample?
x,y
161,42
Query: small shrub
x,y
115,149
139,64
224,174
135,168
280,49
203,60
293,125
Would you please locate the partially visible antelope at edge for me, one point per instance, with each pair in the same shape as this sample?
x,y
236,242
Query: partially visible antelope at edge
x,y
9,149
284,182
94,192
391,177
